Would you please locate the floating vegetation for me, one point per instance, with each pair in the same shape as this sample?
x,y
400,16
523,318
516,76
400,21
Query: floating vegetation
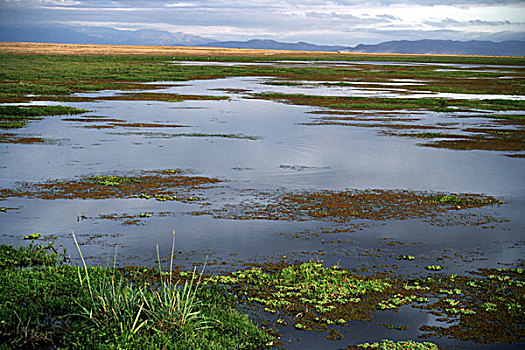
x,y
167,97
400,345
514,142
405,257
33,236
487,139
370,103
365,112
301,167
162,135
145,125
487,307
350,205
112,180
17,139
318,296
145,184
429,135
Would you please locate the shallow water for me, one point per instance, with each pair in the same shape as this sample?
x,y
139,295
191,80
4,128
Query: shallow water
x,y
272,149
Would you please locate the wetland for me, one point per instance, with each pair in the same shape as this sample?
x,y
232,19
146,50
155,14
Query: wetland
x,y
329,201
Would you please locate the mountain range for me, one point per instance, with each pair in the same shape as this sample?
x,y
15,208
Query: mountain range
x,y
446,47
274,45
110,36
99,35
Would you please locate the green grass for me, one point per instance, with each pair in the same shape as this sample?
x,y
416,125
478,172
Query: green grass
x,y
506,116
372,58
61,75
433,104
45,304
16,116
31,255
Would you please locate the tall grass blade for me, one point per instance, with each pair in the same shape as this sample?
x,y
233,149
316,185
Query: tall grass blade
x,y
84,263
171,257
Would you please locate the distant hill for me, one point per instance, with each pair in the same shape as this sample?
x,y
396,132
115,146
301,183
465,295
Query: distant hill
x,y
99,35
436,47
110,36
273,45
445,47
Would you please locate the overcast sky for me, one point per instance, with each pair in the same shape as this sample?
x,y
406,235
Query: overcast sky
x,y
343,22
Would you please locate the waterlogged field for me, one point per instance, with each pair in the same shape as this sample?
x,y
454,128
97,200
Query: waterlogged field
x,y
340,200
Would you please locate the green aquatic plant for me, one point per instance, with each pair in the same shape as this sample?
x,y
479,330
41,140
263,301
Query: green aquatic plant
x,y
31,255
327,291
32,236
447,199
397,301
112,180
405,257
401,345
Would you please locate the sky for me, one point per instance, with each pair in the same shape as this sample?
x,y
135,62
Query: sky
x,y
339,22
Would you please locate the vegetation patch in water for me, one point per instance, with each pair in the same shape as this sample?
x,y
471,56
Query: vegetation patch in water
x,y
113,180
12,117
318,296
506,135
166,97
391,345
359,103
17,139
485,307
145,184
346,206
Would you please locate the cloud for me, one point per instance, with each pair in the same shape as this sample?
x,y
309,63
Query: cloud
x,y
344,22
448,22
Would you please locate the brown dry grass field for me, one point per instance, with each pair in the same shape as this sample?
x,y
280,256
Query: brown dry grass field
x,y
86,49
